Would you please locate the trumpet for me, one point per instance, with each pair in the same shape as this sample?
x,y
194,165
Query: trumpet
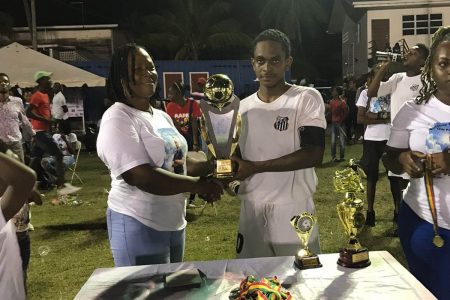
x,y
392,56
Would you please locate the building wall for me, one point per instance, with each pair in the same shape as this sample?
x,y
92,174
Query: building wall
x,y
53,36
354,47
396,26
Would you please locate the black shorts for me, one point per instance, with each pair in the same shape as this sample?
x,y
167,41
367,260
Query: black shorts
x,y
370,161
45,144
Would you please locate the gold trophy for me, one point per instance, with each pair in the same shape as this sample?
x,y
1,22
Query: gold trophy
x,y
220,123
350,212
303,224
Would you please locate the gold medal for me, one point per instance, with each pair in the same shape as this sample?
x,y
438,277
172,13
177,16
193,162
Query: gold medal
x,y
438,241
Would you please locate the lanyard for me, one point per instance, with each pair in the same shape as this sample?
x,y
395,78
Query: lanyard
x,y
438,241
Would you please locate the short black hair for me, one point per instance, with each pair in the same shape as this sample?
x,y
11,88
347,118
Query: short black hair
x,y
118,82
276,36
423,50
338,89
4,75
65,127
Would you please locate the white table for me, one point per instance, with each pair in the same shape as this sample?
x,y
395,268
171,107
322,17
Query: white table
x,y
384,279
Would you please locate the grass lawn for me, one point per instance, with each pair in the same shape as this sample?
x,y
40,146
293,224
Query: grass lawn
x,y
76,240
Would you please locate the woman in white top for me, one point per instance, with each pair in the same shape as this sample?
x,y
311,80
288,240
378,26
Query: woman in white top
x,y
146,206
419,144
16,183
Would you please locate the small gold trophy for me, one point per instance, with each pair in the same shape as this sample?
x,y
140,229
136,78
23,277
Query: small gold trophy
x,y
350,212
303,224
220,123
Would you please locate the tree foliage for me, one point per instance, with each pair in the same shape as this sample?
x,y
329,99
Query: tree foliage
x,y
190,28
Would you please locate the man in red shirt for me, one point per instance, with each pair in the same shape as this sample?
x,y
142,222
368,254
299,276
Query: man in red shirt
x,y
40,114
339,111
184,113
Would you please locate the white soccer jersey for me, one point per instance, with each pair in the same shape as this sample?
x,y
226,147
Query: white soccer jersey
x,y
269,200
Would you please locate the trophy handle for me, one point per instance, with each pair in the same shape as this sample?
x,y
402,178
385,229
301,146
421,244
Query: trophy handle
x,y
205,136
237,128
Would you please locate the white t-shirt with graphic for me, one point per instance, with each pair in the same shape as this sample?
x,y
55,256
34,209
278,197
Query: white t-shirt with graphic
x,y
71,138
11,283
401,88
128,138
425,128
374,132
270,199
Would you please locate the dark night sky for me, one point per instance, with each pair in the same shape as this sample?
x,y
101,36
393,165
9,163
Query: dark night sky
x,y
69,12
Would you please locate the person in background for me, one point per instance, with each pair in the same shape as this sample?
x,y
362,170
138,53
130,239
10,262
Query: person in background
x,y
400,87
39,113
67,143
418,145
351,125
339,111
375,139
60,111
13,120
146,206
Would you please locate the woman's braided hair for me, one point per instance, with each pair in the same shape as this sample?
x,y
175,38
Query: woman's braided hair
x,y
117,85
428,84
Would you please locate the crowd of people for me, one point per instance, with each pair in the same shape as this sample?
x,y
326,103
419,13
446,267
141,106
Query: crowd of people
x,y
26,122
403,119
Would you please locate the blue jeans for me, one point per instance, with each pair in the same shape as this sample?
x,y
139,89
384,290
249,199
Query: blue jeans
x,y
337,130
428,263
133,243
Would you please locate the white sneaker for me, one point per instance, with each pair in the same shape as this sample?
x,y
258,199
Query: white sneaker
x,y
68,189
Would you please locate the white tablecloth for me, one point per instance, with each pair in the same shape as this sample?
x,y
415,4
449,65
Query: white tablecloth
x,y
384,279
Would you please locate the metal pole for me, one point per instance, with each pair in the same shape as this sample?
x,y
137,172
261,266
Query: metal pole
x,y
33,25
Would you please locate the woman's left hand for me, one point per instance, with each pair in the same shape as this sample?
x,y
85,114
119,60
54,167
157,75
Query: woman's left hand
x,y
440,163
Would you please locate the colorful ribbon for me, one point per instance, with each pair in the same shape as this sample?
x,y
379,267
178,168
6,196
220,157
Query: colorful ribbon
x,y
267,288
428,178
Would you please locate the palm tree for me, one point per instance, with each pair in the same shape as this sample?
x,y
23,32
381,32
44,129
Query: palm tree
x,y
296,18
192,27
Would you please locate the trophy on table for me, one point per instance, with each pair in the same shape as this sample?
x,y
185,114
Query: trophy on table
x,y
303,224
350,212
220,123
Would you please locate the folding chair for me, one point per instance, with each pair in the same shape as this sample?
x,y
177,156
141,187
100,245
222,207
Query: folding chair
x,y
73,168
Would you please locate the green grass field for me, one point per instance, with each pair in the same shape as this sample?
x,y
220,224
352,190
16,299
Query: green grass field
x,y
75,237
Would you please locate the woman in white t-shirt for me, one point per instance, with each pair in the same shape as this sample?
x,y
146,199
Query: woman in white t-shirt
x,y
419,144
146,206
16,184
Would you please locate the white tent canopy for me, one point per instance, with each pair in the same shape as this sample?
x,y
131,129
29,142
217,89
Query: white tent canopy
x,y
20,63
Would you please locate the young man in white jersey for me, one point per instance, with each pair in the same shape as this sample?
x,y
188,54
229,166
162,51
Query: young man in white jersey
x,y
282,140
402,87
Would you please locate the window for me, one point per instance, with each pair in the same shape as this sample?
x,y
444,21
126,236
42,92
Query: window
x,y
421,24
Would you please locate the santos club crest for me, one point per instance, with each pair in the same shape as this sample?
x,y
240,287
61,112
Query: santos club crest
x,y
281,123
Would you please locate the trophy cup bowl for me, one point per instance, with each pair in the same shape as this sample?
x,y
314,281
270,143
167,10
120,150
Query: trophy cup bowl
x,y
350,211
220,123
303,224
219,90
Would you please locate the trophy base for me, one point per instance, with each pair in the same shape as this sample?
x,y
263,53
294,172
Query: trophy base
x,y
223,169
354,258
307,262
